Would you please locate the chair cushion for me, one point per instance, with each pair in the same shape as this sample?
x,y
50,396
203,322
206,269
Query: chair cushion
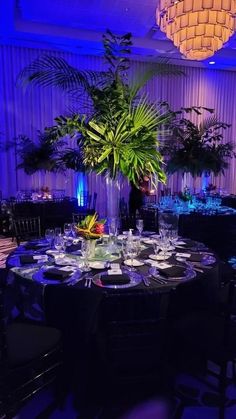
x,y
26,342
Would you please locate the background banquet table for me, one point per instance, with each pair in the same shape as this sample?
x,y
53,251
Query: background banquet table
x,y
218,231
53,213
229,201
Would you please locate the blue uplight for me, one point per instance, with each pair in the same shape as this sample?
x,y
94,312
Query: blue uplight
x,y
81,188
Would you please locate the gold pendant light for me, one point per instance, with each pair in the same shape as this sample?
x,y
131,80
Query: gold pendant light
x,y
198,28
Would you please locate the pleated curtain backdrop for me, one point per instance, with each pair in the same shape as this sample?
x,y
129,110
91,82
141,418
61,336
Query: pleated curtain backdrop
x,y
25,112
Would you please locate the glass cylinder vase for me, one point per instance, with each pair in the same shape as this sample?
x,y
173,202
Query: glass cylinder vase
x,y
113,197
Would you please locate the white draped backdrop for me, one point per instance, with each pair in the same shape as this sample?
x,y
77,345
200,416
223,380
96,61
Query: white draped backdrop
x,y
26,112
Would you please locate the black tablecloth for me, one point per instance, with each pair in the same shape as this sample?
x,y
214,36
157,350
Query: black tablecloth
x,y
52,213
85,314
216,231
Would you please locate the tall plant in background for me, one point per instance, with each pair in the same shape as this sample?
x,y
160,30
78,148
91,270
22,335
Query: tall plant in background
x,y
197,148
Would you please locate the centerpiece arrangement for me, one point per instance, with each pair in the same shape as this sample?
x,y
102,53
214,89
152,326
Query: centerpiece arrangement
x,y
117,137
91,228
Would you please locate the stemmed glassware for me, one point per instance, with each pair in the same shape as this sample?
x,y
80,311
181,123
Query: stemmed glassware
x,y
85,249
67,229
59,244
164,246
129,252
113,227
156,247
49,236
74,229
139,225
57,231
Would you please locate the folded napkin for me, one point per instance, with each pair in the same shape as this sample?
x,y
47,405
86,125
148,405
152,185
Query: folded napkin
x,y
35,246
27,259
115,279
195,257
173,271
73,248
57,274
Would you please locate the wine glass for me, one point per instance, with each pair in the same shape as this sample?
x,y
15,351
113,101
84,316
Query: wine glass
x,y
164,246
59,244
85,249
67,229
130,253
49,235
113,226
57,231
139,225
156,247
74,229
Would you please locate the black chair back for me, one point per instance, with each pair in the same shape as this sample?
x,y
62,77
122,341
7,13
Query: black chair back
x,y
3,349
133,333
150,218
26,228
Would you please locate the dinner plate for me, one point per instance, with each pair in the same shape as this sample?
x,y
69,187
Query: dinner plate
x,y
52,252
39,277
97,265
188,275
207,260
67,262
135,262
160,256
148,241
135,279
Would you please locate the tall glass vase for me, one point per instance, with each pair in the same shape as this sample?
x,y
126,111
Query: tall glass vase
x,y
113,197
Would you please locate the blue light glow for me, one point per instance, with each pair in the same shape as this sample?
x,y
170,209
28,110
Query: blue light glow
x,y
81,188
211,62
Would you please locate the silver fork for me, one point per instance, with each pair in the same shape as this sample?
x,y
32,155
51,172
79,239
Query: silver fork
x,y
88,282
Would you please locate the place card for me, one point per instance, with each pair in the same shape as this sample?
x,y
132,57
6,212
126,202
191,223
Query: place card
x,y
114,272
67,268
183,255
40,257
163,265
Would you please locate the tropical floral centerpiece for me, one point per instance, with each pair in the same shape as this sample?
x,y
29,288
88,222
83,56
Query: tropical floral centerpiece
x,y
91,228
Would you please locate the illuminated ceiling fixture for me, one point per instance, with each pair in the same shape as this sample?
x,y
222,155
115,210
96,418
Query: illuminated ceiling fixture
x,y
198,28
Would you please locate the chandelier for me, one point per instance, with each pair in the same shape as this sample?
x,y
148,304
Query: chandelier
x,y
198,28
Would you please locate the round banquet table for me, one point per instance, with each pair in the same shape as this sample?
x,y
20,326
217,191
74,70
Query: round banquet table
x,y
207,279
79,311
217,231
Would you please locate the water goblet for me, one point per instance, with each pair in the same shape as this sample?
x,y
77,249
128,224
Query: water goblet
x,y
131,252
85,250
113,227
57,231
156,247
67,229
74,229
49,235
164,246
139,225
59,244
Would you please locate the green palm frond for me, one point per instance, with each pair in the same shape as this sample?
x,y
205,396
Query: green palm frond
x,y
160,68
54,71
